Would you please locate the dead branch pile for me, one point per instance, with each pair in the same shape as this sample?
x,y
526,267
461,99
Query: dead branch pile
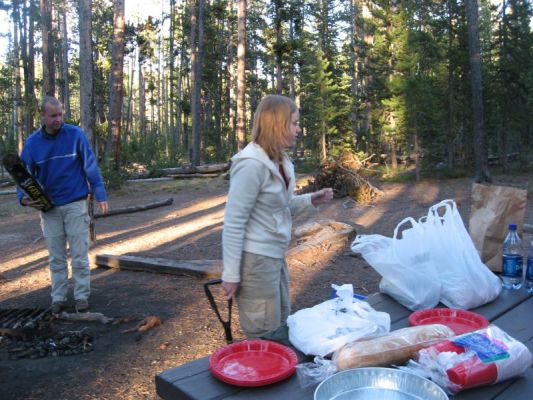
x,y
345,175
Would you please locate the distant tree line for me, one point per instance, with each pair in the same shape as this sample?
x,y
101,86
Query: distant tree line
x,y
442,81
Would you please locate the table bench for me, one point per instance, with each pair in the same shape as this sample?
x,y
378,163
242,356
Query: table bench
x,y
512,311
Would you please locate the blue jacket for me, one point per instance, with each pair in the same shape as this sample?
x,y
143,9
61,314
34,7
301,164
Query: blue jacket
x,y
64,164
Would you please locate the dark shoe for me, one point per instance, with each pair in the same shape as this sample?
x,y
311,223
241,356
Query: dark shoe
x,y
58,306
82,305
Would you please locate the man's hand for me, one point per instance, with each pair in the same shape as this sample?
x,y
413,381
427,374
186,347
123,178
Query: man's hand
x,y
32,203
230,288
322,196
104,208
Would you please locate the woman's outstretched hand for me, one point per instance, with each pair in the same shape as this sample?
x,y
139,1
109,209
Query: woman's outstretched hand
x,y
322,196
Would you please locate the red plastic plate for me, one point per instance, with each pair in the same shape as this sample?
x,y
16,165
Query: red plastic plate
x,y
253,363
459,321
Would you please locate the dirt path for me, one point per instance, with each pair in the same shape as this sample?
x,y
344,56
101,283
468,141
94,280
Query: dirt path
x,y
123,365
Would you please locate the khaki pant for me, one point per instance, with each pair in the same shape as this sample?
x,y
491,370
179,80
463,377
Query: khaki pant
x,y
263,295
62,224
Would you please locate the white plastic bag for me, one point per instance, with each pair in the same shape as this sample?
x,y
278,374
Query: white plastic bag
x,y
466,282
324,328
405,265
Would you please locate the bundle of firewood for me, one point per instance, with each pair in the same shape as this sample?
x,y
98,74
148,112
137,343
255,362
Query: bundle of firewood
x,y
346,175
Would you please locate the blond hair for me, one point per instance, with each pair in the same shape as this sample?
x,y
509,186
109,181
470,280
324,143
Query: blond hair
x,y
271,126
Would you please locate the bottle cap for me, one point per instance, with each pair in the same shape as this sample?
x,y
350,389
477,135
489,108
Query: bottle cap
x,y
512,227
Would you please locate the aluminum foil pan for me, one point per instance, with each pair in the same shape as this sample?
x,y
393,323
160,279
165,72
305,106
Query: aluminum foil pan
x,y
379,384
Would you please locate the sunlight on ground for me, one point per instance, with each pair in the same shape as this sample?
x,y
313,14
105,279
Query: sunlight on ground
x,y
194,228
374,214
161,236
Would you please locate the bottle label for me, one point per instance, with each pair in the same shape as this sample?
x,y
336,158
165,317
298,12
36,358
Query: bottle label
x,y
512,266
529,270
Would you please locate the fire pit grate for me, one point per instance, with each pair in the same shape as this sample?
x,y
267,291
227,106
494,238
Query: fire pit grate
x,y
21,318
28,333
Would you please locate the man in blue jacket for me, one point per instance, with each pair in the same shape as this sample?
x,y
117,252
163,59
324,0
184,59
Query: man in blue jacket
x,y
62,160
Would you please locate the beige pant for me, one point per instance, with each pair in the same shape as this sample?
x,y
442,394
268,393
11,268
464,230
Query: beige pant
x,y
263,295
62,224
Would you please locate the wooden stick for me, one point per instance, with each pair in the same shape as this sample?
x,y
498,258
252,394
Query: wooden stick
x,y
86,316
133,209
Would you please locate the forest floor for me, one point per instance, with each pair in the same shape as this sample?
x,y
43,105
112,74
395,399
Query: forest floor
x,y
123,365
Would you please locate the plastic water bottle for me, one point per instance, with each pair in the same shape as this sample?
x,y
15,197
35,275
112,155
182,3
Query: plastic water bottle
x,y
512,260
529,270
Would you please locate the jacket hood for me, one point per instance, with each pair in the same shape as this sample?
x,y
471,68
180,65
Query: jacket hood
x,y
256,152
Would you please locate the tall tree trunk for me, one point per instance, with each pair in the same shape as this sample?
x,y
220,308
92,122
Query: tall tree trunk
x,y
354,16
196,77
503,116
18,79
49,80
279,49
86,71
323,143
170,117
65,93
129,108
366,78
28,60
241,77
181,132
480,146
450,91
142,103
116,87
197,138
230,104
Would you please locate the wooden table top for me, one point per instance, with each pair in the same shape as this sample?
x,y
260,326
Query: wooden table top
x,y
512,311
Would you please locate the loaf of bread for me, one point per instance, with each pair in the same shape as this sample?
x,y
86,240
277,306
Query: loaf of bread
x,y
394,348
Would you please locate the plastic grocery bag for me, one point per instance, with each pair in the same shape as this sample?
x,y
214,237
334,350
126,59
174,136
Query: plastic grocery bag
x,y
322,329
466,282
404,264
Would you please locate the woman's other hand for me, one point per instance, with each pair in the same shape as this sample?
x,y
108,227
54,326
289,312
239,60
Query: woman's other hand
x,y
322,196
230,288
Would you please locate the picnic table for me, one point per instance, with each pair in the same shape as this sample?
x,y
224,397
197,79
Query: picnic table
x,y
512,311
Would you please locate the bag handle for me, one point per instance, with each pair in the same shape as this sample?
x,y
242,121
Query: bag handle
x,y
414,224
449,204
225,324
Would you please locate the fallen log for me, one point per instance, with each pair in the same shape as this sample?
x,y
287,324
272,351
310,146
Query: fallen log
x,y
195,175
207,168
179,170
318,240
201,268
133,209
199,169
149,180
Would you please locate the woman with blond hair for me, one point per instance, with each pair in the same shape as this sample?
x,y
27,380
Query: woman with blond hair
x,y
258,221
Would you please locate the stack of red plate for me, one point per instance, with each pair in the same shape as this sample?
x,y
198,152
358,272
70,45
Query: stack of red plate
x,y
459,321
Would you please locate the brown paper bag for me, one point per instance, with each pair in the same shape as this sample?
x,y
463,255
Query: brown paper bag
x,y
493,209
